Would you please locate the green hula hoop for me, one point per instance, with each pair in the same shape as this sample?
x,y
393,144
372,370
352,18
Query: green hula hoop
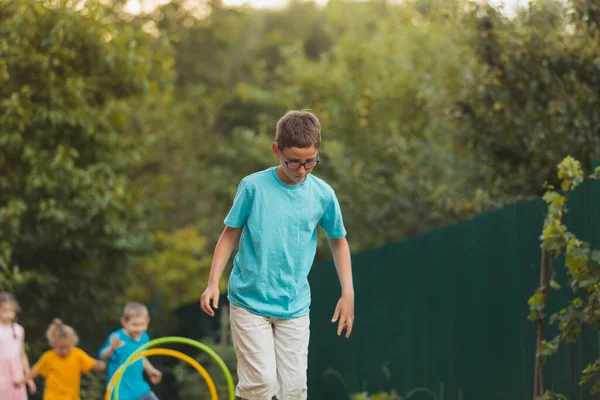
x,y
193,343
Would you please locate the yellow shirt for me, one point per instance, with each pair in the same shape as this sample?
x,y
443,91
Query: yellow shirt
x,y
63,374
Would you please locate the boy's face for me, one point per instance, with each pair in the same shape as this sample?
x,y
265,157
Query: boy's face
x,y
136,325
63,347
290,157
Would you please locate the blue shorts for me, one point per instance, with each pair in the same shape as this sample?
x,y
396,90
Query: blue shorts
x,y
149,396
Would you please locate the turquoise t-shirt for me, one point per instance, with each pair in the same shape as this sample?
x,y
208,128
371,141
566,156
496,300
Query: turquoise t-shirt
x,y
279,241
133,385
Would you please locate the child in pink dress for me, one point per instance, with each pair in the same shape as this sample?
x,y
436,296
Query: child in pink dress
x,y
14,363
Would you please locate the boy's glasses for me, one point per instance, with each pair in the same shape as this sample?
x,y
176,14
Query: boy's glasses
x,y
310,164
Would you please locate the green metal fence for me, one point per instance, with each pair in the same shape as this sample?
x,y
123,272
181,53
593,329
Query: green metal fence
x,y
448,311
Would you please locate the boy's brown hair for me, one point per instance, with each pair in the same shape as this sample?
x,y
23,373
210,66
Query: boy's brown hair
x,y
58,331
298,128
135,309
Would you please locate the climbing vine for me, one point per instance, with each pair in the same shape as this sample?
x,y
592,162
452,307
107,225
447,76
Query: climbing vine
x,y
582,265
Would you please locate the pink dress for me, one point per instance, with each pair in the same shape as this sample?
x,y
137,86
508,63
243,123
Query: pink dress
x,y
11,366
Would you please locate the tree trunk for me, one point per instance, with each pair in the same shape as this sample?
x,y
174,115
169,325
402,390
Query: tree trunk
x,y
538,385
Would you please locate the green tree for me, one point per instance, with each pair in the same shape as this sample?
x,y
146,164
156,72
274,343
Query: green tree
x,y
387,142
533,96
169,276
72,81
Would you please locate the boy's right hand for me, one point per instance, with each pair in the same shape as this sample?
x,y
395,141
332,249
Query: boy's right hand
x,y
211,294
116,342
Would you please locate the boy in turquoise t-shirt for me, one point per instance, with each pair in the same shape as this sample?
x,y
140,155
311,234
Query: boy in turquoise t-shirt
x,y
274,217
121,344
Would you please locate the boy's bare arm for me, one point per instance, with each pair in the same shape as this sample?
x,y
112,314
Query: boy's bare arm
x,y
147,365
225,245
154,374
98,366
107,353
344,311
229,238
115,342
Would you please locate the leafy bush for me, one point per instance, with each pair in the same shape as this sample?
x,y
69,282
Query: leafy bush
x,y
93,386
379,396
191,385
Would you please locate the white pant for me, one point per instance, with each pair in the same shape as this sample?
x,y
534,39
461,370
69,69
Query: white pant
x,y
272,355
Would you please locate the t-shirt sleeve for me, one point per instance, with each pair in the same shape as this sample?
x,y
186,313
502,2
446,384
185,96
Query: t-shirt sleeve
x,y
44,365
86,362
332,221
238,214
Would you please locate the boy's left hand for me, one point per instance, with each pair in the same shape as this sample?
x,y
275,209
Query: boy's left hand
x,y
155,376
344,312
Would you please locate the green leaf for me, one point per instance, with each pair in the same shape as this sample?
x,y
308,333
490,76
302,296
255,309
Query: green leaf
x,y
595,256
588,282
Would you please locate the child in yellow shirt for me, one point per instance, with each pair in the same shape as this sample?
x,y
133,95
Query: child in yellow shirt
x,y
63,365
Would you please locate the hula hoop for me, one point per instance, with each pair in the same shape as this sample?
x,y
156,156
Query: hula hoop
x,y
190,342
162,352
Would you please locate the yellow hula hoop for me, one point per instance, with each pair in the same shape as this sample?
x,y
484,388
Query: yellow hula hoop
x,y
163,352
